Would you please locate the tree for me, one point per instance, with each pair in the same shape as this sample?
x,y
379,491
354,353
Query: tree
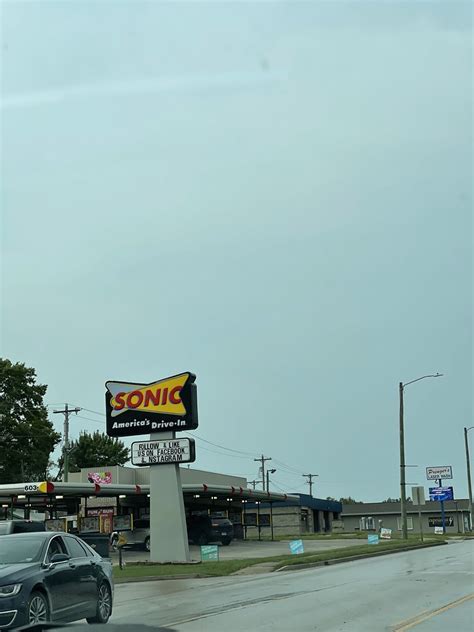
x,y
395,500
27,436
348,501
96,450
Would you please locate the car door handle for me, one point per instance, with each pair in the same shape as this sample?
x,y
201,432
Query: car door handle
x,y
93,562
71,565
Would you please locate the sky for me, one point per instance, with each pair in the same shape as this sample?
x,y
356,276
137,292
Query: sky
x,y
275,196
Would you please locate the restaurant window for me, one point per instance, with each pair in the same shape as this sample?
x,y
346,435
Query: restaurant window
x,y
409,523
367,524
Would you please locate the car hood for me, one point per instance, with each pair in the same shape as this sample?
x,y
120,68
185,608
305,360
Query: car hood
x,y
10,573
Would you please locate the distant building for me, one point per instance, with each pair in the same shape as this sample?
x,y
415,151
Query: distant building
x,y
295,516
371,516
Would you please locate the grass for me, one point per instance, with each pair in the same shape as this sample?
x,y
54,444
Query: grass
x,y
227,567
415,537
203,569
349,551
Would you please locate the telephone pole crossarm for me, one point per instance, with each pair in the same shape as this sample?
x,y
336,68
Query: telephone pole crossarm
x,y
262,460
310,482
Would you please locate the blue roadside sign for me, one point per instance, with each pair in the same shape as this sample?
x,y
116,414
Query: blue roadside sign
x,y
296,547
441,493
373,539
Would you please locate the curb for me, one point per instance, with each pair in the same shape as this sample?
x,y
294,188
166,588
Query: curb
x,y
153,578
353,558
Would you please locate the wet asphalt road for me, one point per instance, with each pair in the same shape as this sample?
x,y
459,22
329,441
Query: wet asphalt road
x,y
375,594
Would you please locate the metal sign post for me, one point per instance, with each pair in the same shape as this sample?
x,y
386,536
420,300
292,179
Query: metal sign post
x,y
443,517
418,495
440,473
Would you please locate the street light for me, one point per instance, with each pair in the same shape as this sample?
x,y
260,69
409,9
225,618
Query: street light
x,y
468,468
403,496
268,478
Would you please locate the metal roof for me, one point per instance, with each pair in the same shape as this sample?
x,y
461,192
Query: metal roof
x,y
47,489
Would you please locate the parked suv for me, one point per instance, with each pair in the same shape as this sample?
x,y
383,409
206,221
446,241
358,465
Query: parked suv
x,y
201,530
8,527
140,536
205,529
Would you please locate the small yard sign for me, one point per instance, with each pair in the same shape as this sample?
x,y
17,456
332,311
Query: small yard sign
x,y
210,553
296,547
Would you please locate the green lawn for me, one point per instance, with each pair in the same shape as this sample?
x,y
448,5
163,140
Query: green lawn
x,y
349,551
227,567
355,536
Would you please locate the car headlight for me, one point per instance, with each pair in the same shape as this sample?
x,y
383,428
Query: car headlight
x,y
10,591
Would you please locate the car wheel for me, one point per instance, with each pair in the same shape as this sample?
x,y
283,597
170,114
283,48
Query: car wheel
x,y
147,543
38,608
226,541
104,605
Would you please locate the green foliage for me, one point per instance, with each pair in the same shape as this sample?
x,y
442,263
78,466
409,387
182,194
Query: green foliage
x,y
96,450
27,437
348,501
395,500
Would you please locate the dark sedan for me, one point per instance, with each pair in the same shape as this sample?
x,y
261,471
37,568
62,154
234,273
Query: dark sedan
x,y
52,577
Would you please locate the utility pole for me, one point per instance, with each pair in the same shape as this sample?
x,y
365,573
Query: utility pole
x,y
310,482
254,484
66,412
469,483
268,478
403,493
262,460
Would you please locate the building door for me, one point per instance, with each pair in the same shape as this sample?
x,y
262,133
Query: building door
x,y
327,522
317,525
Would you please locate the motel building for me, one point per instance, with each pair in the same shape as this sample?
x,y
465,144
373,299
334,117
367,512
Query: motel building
x,y
92,499
370,517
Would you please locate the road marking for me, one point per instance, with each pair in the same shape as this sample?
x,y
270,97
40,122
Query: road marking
x,y
424,616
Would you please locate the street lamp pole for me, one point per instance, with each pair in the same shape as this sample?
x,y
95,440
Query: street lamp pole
x,y
469,483
403,494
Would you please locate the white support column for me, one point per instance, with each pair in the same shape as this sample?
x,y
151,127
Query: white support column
x,y
168,532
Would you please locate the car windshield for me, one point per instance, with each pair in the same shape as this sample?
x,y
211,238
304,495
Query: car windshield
x,y
20,549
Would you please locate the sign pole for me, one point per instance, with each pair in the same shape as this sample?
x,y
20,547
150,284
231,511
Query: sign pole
x,y
168,531
418,495
443,517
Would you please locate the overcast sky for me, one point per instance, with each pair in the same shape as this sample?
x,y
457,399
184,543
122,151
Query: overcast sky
x,y
275,196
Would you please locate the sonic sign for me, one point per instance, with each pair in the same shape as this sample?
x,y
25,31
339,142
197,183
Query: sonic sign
x,y
167,405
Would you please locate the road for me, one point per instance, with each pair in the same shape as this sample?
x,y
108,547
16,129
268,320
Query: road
x,y
426,590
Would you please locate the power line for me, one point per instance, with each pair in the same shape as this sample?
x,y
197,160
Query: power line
x,y
231,456
216,445
289,467
96,421
95,412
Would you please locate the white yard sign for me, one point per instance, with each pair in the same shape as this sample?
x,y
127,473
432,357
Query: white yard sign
x,y
439,472
163,452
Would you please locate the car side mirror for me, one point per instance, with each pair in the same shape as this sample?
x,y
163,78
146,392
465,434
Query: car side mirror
x,y
59,557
